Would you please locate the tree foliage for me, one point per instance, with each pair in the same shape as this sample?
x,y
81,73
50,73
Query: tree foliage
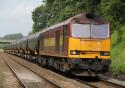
x,y
55,11
13,36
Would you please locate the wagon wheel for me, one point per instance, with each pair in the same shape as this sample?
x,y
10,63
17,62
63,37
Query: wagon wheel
x,y
44,61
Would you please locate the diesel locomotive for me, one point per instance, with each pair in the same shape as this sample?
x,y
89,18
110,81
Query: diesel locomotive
x,y
80,45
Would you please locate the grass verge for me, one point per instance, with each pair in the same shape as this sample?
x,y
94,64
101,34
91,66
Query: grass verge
x,y
118,52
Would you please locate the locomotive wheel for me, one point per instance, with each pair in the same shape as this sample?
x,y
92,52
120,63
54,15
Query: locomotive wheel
x,y
64,66
44,61
50,62
39,60
57,64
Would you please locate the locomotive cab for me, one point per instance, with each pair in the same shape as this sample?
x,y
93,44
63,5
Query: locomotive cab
x,y
90,41
89,45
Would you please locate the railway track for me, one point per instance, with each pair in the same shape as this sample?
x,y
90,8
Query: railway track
x,y
113,84
58,80
101,84
28,78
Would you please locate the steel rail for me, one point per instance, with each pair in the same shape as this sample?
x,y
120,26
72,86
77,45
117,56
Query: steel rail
x,y
101,81
23,84
113,84
57,86
81,81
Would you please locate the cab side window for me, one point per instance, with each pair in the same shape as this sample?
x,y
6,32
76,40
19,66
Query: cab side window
x,y
65,30
65,33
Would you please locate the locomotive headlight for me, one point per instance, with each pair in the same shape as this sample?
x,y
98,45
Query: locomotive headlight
x,y
74,52
105,53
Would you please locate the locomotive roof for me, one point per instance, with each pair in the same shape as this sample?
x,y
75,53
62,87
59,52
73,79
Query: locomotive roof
x,y
85,18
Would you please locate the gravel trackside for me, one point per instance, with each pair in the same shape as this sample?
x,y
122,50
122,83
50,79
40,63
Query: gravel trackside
x,y
7,78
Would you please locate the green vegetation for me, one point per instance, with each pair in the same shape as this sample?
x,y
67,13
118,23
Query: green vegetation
x,y
13,36
10,37
55,11
1,46
118,52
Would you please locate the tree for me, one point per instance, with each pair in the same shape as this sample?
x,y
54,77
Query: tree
x,y
55,11
13,36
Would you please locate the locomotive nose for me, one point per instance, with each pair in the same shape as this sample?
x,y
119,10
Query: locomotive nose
x,y
91,45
